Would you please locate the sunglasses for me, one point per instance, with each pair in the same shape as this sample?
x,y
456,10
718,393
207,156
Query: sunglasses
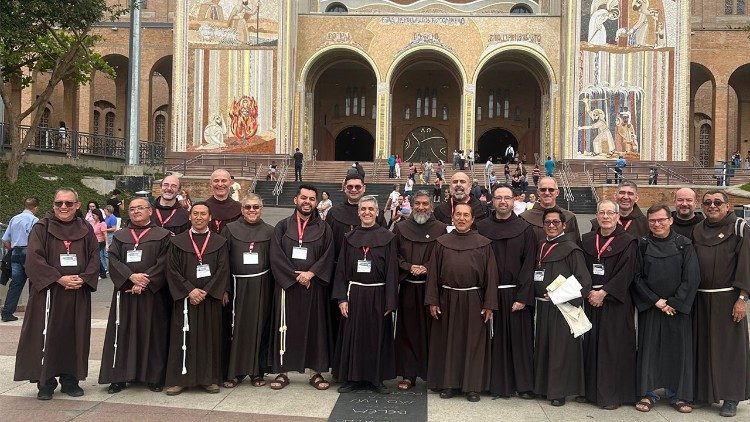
x,y
353,187
715,202
252,207
68,204
554,223
547,190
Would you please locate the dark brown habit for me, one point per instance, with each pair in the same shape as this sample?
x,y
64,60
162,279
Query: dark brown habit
x,y
722,358
415,243
635,224
306,342
202,359
459,338
343,218
535,217
685,227
175,218
514,247
609,348
223,212
138,324
65,347
667,269
251,296
558,357
444,211
364,350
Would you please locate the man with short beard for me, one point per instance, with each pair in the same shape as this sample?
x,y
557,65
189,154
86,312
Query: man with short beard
x,y
168,213
684,216
722,355
459,194
548,192
514,246
632,219
415,239
302,265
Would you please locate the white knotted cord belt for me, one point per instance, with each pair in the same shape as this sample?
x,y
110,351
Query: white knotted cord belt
x,y
234,295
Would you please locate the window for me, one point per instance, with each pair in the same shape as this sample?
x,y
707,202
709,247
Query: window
x,y
109,124
336,8
704,144
97,117
160,128
734,7
521,9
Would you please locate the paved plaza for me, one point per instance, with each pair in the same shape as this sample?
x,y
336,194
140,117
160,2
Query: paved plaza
x,y
298,402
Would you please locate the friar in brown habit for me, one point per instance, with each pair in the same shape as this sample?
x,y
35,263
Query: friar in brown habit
x,y
548,193
249,241
167,210
198,277
514,246
632,219
415,240
722,359
366,287
302,264
558,356
609,348
62,263
462,293
137,338
459,188
684,216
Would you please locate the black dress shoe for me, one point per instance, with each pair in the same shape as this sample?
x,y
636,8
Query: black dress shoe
x,y
447,393
728,409
381,389
580,399
10,318
348,387
116,387
557,402
45,393
73,390
527,395
156,388
473,397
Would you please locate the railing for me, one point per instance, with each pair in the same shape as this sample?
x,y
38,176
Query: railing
x,y
255,179
75,144
279,187
237,165
678,175
671,174
591,184
565,179
375,169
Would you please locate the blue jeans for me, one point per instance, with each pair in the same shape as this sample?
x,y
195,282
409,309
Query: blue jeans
x,y
17,281
671,395
103,260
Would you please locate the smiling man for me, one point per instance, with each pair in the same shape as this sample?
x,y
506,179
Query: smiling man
x,y
548,193
168,213
722,243
223,208
631,217
684,216
459,188
62,263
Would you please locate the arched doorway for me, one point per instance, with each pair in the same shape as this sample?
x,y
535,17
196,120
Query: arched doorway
x,y
494,142
702,90
159,99
426,91
512,92
355,143
341,95
738,113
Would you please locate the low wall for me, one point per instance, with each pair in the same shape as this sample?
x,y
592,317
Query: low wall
x,y
650,195
199,188
99,163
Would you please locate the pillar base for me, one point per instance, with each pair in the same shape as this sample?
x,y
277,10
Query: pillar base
x,y
132,170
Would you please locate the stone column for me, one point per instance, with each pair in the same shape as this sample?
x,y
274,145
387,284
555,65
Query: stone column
x,y
721,106
468,117
383,147
83,109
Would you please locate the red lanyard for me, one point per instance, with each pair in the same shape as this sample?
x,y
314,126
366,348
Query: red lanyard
x,y
600,251
163,221
543,255
301,229
67,244
365,249
198,253
627,225
138,238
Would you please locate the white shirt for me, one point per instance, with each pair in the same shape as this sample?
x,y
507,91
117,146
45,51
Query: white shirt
x,y
393,197
519,207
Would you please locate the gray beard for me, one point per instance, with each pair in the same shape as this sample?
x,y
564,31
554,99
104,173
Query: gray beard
x,y
460,195
421,217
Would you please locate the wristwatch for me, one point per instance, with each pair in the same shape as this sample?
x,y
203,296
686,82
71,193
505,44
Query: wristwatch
x,y
744,298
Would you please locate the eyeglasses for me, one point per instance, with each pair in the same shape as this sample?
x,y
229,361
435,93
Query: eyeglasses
x,y
658,221
138,208
353,187
68,204
715,202
550,190
607,213
253,207
553,223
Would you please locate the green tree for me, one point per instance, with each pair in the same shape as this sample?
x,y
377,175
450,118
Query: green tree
x,y
46,36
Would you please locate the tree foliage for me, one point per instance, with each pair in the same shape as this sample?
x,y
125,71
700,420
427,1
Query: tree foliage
x,y
46,36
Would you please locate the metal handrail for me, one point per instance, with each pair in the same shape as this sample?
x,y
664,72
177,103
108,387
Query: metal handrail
x,y
591,184
255,179
567,192
672,173
375,168
279,187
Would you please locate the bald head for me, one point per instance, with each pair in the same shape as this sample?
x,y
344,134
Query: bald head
x,y
460,185
140,211
684,203
221,180
170,187
548,191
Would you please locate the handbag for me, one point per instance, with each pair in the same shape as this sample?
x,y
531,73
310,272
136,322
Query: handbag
x,y
5,268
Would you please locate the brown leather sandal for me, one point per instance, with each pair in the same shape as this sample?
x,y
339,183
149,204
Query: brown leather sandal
x,y
645,403
319,382
405,384
280,382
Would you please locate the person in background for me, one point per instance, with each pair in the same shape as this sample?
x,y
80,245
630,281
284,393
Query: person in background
x,y
506,173
271,171
111,221
397,167
91,206
324,205
100,231
298,157
15,241
535,174
492,179
117,204
532,200
519,205
236,189
549,166
184,199
437,189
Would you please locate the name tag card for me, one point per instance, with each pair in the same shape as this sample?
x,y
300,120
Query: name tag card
x,y
68,260
202,270
134,256
299,252
539,275
250,258
598,269
450,228
364,266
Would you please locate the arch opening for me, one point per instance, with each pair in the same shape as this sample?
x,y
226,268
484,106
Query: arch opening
x,y
355,143
495,142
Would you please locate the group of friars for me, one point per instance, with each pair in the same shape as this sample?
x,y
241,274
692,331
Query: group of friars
x,y
453,295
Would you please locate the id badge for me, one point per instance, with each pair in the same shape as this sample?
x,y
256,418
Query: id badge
x,y
299,252
539,275
598,269
364,266
68,260
250,258
202,270
134,256
450,228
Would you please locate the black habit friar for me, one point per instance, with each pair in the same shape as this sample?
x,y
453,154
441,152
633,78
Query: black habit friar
x,y
175,218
